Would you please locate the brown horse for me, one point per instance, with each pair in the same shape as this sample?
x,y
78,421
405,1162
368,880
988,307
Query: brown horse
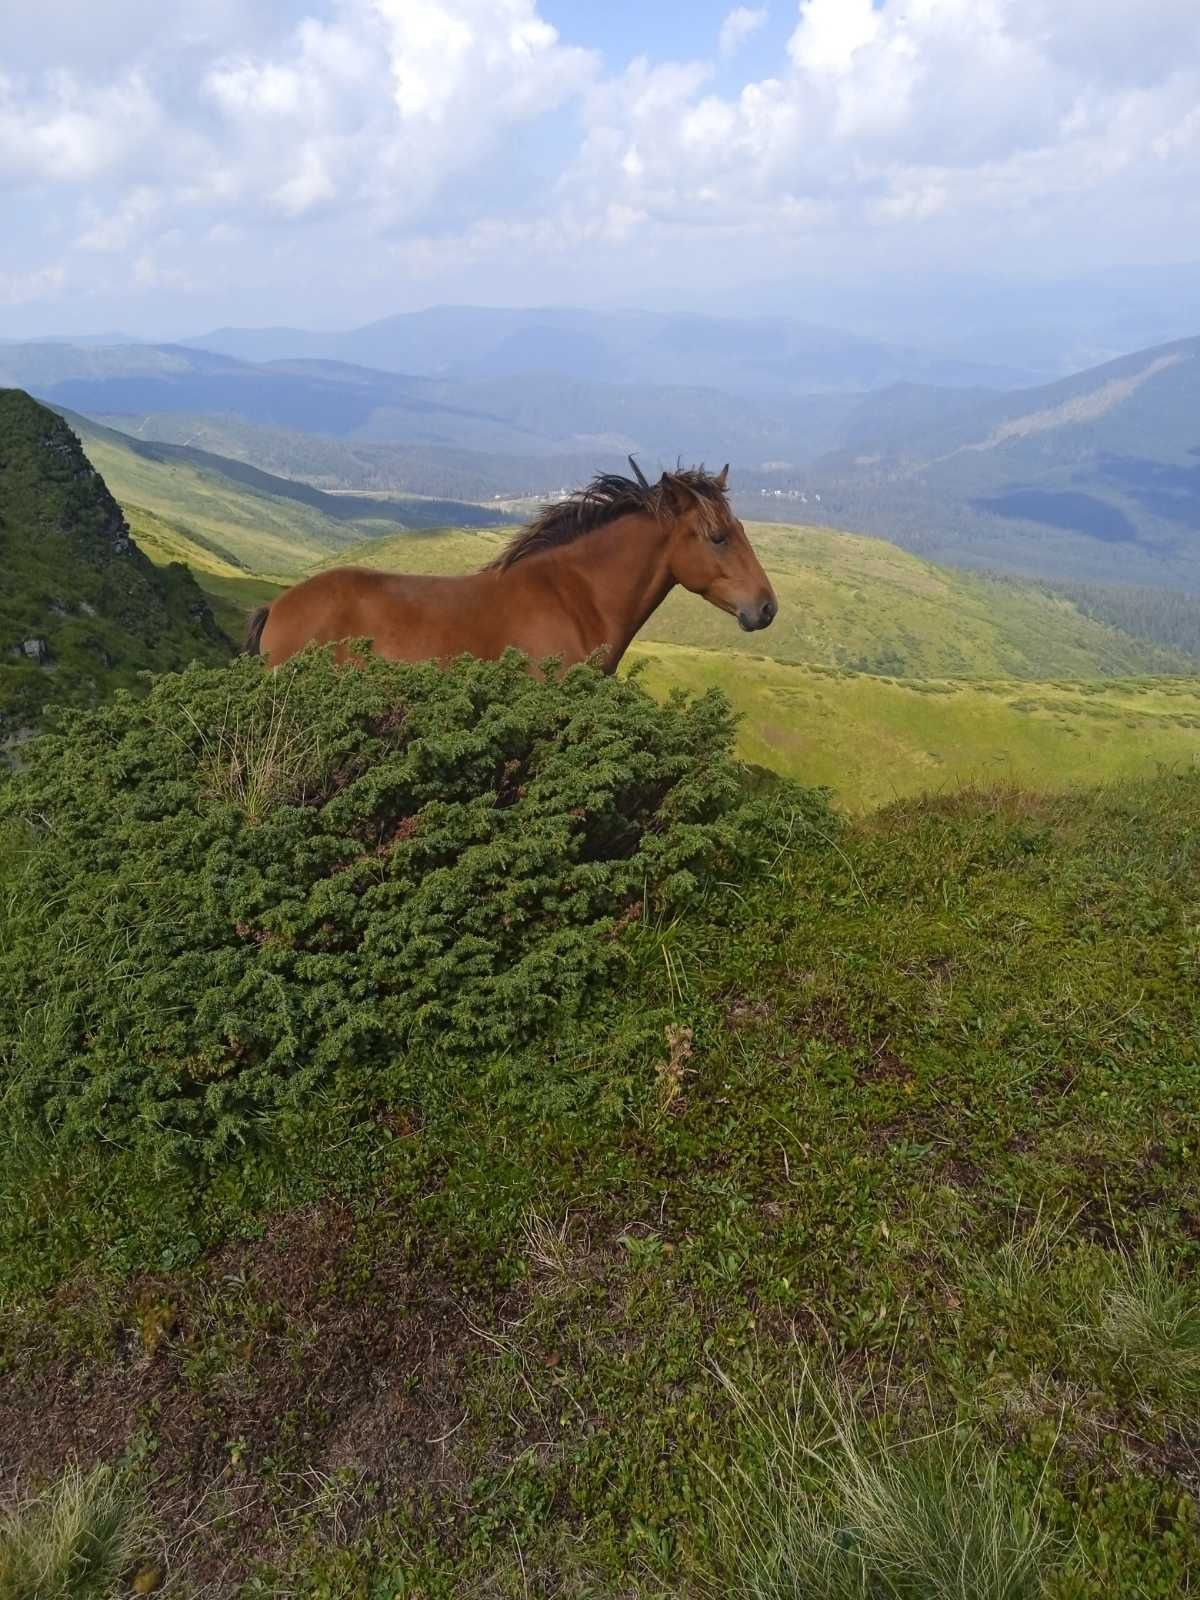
x,y
582,578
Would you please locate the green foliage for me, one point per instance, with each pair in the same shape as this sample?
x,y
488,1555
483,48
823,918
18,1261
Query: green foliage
x,y
76,1541
249,883
71,578
1168,616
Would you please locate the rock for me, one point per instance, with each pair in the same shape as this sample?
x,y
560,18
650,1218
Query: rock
x,y
36,650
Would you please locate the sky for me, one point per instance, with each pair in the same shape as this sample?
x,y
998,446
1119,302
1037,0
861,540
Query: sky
x,y
171,167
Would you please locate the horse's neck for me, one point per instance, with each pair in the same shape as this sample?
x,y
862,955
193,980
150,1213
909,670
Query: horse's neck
x,y
618,577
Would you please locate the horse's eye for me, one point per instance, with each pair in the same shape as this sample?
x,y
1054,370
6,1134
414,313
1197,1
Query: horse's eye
x,y
720,538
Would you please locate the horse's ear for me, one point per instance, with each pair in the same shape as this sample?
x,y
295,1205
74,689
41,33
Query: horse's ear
x,y
723,477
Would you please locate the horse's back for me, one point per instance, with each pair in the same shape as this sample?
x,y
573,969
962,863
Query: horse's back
x,y
405,614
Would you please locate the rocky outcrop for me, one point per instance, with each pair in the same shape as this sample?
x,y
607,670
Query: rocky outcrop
x,y
82,608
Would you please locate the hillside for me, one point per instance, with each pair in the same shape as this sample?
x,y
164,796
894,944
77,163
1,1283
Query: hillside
x,y
1092,477
82,609
724,1199
857,602
366,465
538,413
871,739
242,532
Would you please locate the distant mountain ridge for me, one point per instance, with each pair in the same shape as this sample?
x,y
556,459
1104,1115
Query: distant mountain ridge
x,y
540,414
773,355
1092,477
82,610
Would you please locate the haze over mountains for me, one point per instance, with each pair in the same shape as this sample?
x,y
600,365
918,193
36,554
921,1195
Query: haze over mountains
x,y
754,355
1091,477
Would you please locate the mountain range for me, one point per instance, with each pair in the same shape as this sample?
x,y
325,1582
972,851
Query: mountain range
x,y
756,355
1094,477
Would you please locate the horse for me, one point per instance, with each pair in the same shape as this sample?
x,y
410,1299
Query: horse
x,y
576,583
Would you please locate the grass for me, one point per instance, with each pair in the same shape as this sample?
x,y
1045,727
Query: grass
x,y
877,739
461,1335
267,537
1148,1319
84,1538
822,1504
851,601
259,764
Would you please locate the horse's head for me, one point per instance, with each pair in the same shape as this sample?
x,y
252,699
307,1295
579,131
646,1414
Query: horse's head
x,y
709,552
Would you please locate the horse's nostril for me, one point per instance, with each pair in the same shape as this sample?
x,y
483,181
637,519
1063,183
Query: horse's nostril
x,y
770,607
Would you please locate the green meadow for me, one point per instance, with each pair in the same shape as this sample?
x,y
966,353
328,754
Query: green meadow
x,y
851,601
883,675
874,739
469,1137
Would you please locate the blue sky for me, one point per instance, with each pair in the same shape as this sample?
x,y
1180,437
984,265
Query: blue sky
x,y
170,167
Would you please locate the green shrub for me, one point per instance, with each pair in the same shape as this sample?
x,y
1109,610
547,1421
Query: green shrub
x,y
245,882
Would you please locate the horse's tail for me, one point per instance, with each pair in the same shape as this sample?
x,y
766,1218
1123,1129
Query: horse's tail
x,y
254,631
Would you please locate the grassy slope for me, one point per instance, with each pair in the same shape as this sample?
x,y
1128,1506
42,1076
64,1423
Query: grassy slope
x,y
873,739
847,600
466,1343
68,576
267,537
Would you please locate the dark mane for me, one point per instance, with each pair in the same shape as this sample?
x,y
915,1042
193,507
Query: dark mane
x,y
610,496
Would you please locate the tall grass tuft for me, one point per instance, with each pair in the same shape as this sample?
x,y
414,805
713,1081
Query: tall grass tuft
x,y
823,1508
76,1541
1149,1320
261,761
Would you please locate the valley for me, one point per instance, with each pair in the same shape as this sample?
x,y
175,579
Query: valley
x,y
885,675
680,1080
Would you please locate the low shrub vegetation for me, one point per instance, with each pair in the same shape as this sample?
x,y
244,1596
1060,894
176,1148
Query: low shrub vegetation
x,y
248,884
465,1136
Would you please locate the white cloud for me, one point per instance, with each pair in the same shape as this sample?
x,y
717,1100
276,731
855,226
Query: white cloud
x,y
24,288
372,137
68,131
830,34
737,27
897,115
111,231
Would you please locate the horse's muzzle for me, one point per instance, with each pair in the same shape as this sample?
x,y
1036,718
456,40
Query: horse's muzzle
x,y
762,615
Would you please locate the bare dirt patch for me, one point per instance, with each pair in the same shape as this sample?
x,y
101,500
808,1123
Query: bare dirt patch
x,y
289,1361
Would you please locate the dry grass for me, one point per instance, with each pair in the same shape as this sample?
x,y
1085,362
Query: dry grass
x,y
85,1538
821,1505
1149,1320
548,1248
261,764
674,1069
